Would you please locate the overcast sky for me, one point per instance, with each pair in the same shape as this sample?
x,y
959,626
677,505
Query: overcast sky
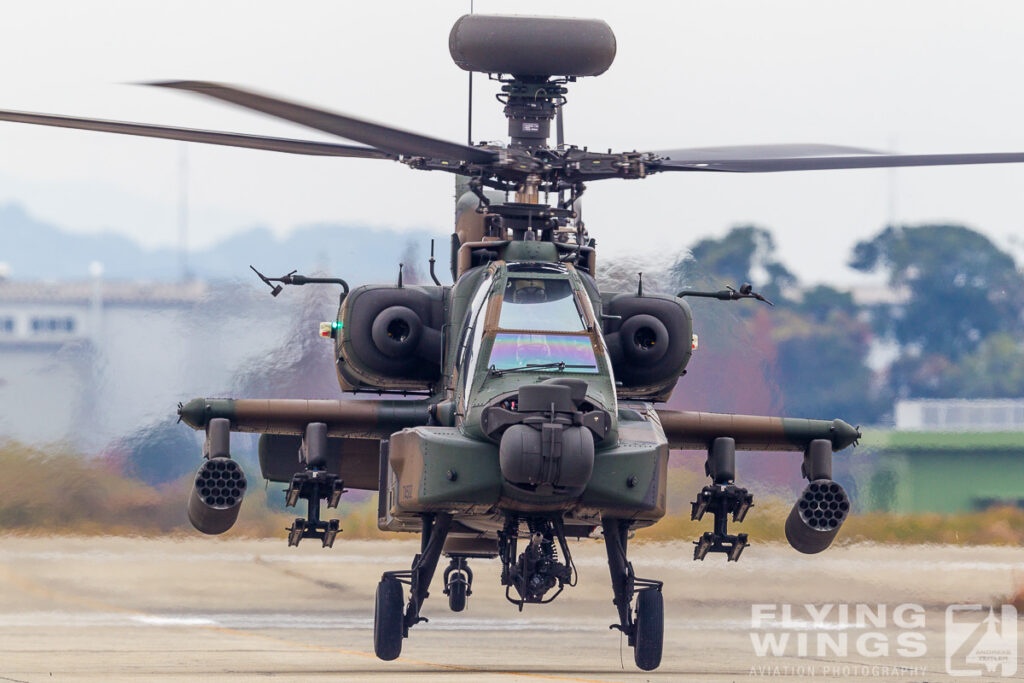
x,y
920,76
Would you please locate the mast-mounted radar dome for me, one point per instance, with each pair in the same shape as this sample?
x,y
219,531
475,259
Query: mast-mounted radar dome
x,y
532,46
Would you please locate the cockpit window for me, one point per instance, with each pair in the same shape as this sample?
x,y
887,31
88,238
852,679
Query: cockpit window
x,y
474,331
566,352
539,304
540,326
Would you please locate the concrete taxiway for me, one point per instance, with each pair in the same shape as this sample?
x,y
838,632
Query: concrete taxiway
x,y
120,609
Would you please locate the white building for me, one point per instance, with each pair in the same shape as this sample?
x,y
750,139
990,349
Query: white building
x,y
960,415
86,362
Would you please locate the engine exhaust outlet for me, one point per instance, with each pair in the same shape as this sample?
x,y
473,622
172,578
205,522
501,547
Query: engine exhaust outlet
x,y
817,516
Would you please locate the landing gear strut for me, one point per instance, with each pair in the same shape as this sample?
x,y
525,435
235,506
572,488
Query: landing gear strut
x,y
390,624
644,632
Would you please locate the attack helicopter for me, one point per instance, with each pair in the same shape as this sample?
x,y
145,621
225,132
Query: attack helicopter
x,y
528,400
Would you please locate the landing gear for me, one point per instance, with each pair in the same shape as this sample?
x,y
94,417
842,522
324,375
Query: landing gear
x,y
387,620
645,631
458,582
390,624
650,629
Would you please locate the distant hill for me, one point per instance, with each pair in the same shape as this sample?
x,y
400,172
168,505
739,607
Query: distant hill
x,y
35,250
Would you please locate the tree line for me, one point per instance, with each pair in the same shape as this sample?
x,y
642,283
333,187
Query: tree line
x,y
951,327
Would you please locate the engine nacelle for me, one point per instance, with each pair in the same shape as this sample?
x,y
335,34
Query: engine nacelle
x,y
650,342
216,495
390,338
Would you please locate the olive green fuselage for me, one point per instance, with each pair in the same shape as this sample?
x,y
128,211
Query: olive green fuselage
x,y
441,452
454,465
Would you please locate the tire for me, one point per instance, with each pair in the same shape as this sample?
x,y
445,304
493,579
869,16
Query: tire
x,y
457,592
388,620
650,629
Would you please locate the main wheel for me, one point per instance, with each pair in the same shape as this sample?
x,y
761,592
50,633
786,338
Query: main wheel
x,y
457,592
388,620
650,629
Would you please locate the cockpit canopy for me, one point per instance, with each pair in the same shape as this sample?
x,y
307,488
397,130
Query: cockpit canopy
x,y
527,297
541,324
528,320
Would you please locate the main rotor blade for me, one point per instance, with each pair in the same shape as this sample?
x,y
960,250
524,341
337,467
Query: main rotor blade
x,y
770,151
193,135
767,164
377,135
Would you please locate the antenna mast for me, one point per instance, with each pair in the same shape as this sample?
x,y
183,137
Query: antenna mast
x,y
469,117
183,213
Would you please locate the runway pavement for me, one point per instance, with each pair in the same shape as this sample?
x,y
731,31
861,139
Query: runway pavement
x,y
120,609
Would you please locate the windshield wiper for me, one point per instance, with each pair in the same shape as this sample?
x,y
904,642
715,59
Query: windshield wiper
x,y
559,365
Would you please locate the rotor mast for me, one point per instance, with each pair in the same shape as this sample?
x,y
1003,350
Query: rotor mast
x,y
530,105
529,190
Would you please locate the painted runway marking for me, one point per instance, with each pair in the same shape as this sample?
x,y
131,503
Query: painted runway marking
x,y
274,620
781,565
153,620
312,622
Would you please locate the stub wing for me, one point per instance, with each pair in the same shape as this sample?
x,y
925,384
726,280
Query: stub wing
x,y
354,430
692,430
353,419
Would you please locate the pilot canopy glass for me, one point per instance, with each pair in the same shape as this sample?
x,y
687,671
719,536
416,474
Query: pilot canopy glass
x,y
541,324
539,304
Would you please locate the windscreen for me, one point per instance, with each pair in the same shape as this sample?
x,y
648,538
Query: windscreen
x,y
522,350
535,316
